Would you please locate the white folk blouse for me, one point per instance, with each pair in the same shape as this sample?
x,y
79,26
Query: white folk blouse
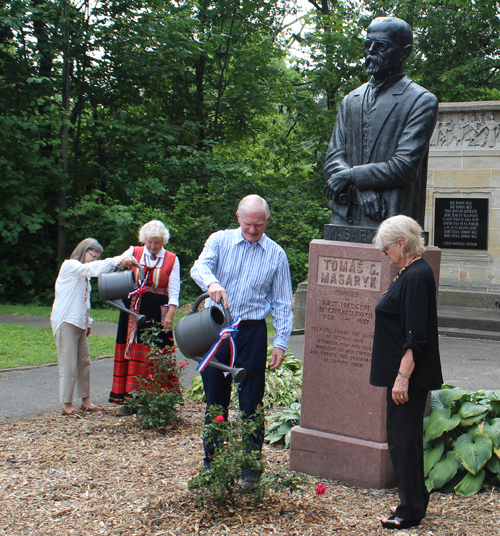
x,y
72,297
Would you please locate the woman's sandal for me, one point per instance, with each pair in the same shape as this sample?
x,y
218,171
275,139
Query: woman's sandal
x,y
73,412
399,523
91,408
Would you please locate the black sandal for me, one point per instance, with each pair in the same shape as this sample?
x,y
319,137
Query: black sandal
x,y
399,523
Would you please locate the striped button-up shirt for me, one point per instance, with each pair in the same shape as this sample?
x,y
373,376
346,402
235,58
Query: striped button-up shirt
x,y
256,276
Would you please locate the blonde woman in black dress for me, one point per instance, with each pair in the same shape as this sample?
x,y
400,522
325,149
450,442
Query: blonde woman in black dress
x,y
406,361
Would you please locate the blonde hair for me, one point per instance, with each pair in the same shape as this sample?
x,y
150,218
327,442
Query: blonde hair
x,y
153,229
396,227
84,246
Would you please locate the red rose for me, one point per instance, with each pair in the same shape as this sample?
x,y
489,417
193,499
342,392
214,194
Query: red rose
x,y
219,418
320,490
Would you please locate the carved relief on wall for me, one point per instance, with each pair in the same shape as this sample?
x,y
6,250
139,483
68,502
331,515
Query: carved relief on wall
x,y
460,130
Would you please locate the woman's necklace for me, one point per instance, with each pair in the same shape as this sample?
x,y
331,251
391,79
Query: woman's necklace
x,y
404,268
396,277
147,259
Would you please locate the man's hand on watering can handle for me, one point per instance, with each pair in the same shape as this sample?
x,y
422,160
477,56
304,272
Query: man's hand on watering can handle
x,y
218,293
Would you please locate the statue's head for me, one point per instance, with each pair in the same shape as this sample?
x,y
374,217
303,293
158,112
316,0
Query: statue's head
x,y
389,42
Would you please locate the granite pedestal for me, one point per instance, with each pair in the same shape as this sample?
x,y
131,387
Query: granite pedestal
x,y
342,427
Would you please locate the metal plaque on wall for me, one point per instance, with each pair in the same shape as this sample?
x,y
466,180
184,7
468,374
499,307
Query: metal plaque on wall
x,y
461,223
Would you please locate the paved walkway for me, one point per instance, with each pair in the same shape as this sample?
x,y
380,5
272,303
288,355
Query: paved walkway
x,y
469,363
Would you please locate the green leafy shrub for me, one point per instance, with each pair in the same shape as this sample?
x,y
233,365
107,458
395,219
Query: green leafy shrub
x,y
233,454
280,424
462,440
158,398
284,384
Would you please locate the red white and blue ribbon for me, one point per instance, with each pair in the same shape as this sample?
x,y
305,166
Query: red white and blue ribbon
x,y
225,333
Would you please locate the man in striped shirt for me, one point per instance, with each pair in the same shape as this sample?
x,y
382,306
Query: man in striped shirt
x,y
250,274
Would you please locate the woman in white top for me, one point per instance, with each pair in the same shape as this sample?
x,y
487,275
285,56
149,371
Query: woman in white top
x,y
71,322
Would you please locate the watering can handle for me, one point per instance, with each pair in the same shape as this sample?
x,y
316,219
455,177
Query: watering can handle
x,y
137,265
141,270
204,296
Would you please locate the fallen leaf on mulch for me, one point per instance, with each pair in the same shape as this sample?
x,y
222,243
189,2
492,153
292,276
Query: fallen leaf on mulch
x,y
103,474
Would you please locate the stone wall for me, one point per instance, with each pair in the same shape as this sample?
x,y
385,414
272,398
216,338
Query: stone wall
x,y
464,163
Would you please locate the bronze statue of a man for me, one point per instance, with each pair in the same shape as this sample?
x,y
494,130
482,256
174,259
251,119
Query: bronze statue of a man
x,y
376,165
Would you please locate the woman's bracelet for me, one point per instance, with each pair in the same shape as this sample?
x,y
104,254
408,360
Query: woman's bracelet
x,y
404,375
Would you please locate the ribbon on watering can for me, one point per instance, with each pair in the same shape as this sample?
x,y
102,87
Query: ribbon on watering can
x,y
225,333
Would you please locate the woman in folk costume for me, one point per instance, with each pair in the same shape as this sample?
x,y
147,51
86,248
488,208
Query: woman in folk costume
x,y
157,299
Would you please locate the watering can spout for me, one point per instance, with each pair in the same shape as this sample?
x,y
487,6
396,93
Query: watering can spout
x,y
118,304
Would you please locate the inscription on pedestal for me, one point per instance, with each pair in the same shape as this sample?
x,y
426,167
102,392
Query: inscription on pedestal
x,y
344,347
349,273
349,233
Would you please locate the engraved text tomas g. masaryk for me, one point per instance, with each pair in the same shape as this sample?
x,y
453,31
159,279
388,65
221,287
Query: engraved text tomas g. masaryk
x,y
349,273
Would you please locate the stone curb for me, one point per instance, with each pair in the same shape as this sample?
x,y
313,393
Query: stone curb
x,y
105,356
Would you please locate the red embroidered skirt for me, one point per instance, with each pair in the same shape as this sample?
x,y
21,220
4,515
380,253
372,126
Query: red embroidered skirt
x,y
126,371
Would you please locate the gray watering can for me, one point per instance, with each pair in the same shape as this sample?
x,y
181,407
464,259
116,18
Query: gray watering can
x,y
196,333
114,286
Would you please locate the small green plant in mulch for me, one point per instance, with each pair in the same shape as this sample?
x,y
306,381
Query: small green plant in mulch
x,y
235,452
462,440
158,399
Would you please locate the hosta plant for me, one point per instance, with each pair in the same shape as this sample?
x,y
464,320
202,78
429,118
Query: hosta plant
x,y
279,427
462,440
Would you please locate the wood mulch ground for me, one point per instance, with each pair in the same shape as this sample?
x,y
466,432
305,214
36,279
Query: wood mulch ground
x,y
103,474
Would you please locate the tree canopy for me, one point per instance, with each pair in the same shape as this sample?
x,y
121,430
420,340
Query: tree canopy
x,y
115,113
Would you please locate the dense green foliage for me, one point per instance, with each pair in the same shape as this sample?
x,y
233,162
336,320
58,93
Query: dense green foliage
x,y
462,440
115,113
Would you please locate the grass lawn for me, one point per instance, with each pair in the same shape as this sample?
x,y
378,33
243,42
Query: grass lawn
x,y
109,314
99,315
22,346
27,346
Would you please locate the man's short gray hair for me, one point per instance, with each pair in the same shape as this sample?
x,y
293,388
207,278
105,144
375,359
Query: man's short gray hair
x,y
153,229
396,227
254,203
84,246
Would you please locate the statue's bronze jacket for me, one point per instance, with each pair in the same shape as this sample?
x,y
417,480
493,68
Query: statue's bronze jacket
x,y
386,149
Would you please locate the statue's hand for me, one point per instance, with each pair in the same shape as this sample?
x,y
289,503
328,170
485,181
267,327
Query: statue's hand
x,y
337,183
372,205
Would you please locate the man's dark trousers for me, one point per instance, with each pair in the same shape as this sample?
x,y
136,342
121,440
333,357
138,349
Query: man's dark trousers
x,y
251,346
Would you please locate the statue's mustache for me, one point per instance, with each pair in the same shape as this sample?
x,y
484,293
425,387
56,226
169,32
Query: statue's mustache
x,y
373,60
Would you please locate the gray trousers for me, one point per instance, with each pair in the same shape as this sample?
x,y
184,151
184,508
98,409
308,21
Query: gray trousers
x,y
73,359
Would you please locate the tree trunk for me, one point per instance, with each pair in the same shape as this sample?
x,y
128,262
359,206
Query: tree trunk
x,y
63,180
